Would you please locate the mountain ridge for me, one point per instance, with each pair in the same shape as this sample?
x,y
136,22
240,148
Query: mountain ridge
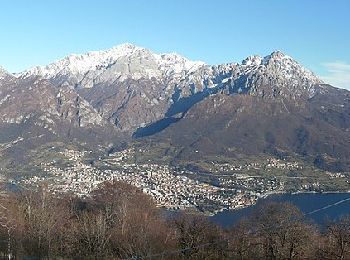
x,y
126,74
135,93
77,64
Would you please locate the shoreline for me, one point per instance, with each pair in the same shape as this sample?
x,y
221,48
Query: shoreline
x,y
324,204
265,196
318,192
260,197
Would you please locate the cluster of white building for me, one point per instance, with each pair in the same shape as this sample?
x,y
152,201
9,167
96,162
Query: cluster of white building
x,y
170,188
264,165
282,164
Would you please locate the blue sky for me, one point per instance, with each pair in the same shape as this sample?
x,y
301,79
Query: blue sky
x,y
314,32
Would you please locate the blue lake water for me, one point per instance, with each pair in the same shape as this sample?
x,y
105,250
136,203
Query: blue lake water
x,y
319,207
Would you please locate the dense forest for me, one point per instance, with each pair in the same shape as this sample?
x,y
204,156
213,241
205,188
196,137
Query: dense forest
x,y
120,222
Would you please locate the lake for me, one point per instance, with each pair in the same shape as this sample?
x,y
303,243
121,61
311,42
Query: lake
x,y
317,206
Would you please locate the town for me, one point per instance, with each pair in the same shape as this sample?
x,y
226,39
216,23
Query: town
x,y
171,187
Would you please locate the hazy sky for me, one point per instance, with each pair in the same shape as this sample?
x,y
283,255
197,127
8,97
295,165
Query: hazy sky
x,y
314,32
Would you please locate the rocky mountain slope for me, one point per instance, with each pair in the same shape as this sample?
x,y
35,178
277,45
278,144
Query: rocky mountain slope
x,y
131,87
128,85
316,130
34,112
268,104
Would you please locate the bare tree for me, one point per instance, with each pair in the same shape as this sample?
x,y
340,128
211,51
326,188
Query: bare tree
x,y
6,223
40,218
198,238
121,221
338,239
283,232
243,242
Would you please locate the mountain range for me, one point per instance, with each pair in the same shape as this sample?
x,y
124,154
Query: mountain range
x,y
186,109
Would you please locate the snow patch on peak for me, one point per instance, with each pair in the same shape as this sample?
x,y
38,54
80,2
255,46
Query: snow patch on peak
x,y
5,74
126,61
126,47
3,71
82,63
252,60
279,54
276,55
287,67
177,62
255,60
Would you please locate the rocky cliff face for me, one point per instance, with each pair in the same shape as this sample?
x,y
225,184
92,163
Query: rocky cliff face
x,y
36,111
131,87
118,64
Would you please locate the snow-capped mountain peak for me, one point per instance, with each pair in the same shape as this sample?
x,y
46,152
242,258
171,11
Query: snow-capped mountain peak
x,y
282,66
127,61
122,61
4,74
3,71
287,67
252,60
82,63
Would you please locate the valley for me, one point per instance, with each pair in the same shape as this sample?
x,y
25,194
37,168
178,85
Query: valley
x,y
191,135
204,186
180,130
